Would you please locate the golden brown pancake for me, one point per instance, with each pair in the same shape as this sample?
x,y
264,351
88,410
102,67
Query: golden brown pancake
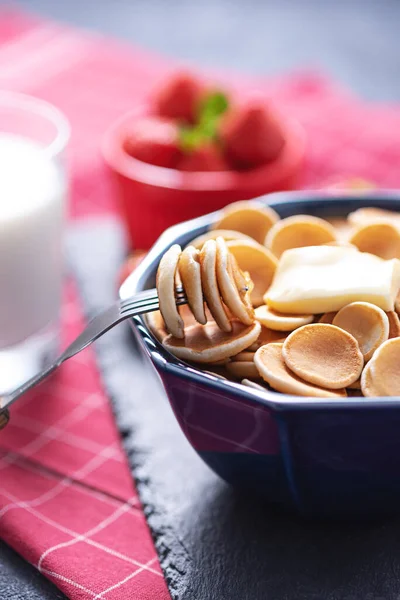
x,y
227,234
297,232
365,322
259,262
165,283
369,214
244,356
324,355
327,318
394,324
281,322
233,285
251,218
273,370
381,239
208,264
208,343
156,324
243,370
381,376
190,274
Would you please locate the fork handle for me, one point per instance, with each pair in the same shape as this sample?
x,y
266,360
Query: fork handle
x,y
100,324
8,399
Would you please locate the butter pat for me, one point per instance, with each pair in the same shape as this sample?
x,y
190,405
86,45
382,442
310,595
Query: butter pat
x,y
319,279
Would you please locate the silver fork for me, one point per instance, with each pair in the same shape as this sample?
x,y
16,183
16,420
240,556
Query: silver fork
x,y
142,302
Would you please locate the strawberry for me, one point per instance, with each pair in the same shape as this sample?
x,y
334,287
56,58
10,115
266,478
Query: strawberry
x,y
153,140
205,158
179,98
251,134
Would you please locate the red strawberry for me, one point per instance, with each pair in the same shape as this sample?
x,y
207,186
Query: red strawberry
x,y
154,140
179,98
205,158
251,134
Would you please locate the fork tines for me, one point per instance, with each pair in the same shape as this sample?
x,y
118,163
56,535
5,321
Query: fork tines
x,y
148,301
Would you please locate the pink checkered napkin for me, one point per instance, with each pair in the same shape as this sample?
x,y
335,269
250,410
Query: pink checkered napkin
x,y
67,500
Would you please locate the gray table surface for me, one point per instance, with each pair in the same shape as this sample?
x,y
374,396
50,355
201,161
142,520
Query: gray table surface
x,y
355,41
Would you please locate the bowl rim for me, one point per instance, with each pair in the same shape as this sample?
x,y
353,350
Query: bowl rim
x,y
285,165
183,233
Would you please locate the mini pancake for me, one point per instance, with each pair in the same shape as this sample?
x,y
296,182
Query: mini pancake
x,y
189,271
273,370
253,384
367,323
227,234
208,264
327,318
366,381
297,232
394,324
233,284
324,355
220,363
369,214
251,218
259,262
243,370
165,283
208,343
381,239
279,321
397,303
381,377
244,356
156,324
268,336
253,347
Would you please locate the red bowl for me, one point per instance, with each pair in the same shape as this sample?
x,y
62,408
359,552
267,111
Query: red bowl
x,y
153,198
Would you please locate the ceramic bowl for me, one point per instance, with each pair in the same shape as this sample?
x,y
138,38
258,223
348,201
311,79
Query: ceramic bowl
x,y
153,198
325,458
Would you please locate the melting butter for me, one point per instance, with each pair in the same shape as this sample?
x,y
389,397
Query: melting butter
x,y
319,279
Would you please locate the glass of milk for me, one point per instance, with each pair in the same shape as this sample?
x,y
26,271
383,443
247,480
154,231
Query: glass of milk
x,y
33,139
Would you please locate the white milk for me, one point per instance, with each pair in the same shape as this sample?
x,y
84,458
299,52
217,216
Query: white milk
x,y
32,193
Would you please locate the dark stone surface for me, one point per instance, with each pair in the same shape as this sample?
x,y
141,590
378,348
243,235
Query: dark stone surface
x,y
18,580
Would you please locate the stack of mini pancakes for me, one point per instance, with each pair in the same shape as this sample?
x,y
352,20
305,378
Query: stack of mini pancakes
x,y
232,327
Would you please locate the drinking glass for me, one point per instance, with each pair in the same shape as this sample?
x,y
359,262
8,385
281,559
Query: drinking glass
x,y
33,191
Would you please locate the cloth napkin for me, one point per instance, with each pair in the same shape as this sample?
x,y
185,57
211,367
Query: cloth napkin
x,y
68,503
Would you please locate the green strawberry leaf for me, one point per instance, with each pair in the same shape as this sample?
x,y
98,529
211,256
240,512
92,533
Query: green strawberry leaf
x,y
213,105
205,130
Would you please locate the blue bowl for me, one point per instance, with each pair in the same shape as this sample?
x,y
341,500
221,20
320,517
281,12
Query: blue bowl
x,y
325,458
